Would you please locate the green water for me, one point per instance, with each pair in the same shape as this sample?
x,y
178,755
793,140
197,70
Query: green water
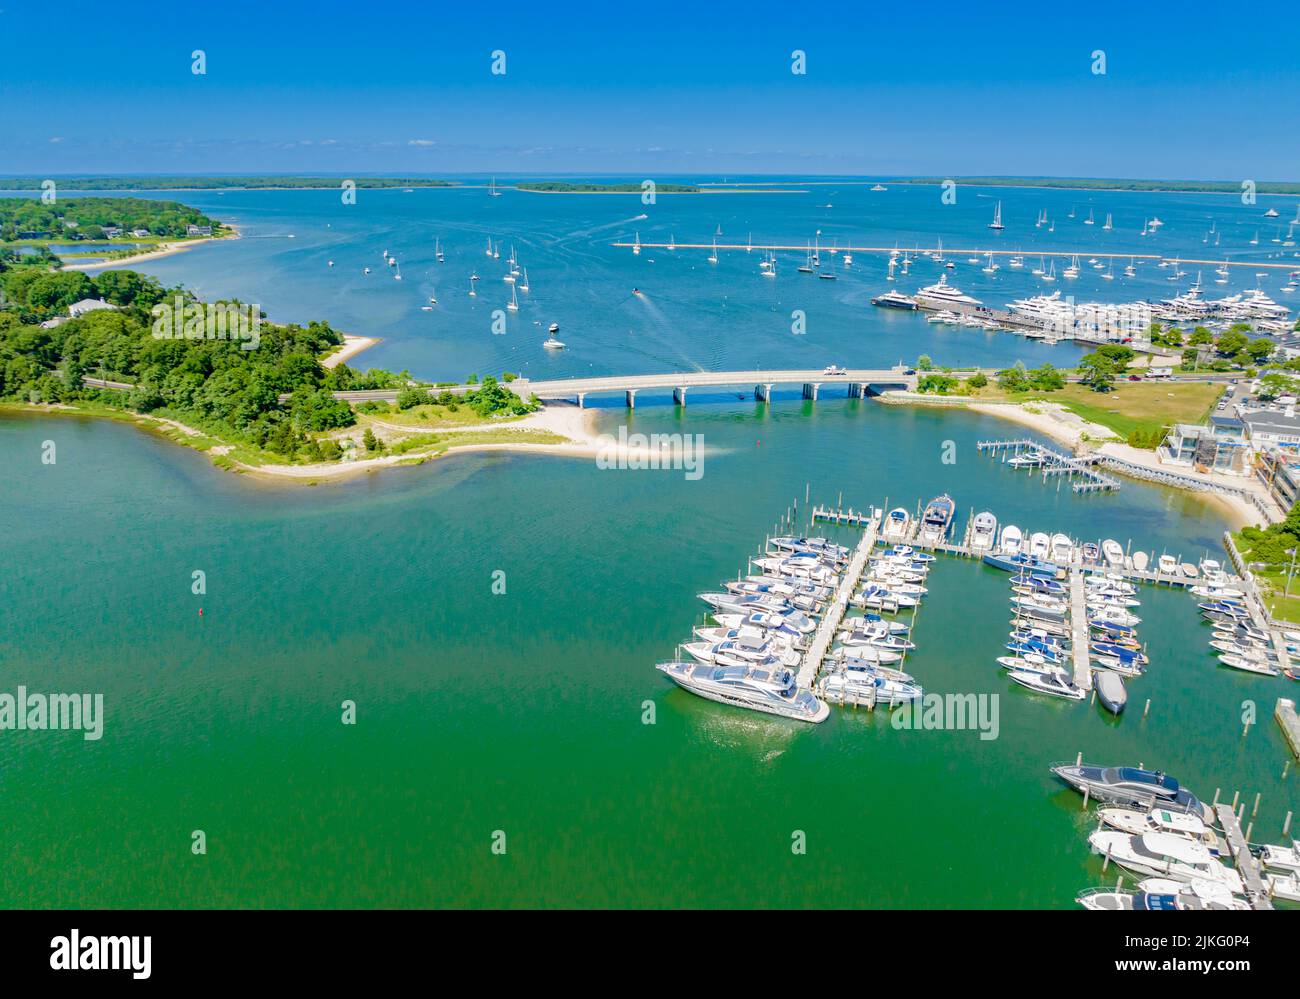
x,y
523,712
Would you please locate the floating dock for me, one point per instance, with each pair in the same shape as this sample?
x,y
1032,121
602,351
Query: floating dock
x,y
1079,632
1247,865
1056,463
1285,714
813,658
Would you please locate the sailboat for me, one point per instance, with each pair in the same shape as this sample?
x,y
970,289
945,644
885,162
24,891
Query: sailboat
x,y
1072,271
672,243
472,292
990,267
713,257
1146,226
492,189
890,275
488,251
807,268
636,245
1108,227
1110,272
437,250
1042,219
749,247
1051,273
1089,220
1071,215
1130,270
513,305
997,218
398,275
1255,239
523,285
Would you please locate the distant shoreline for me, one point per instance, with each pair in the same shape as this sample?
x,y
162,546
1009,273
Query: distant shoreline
x,y
161,250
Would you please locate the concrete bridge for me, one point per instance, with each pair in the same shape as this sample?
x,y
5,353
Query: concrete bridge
x,y
859,382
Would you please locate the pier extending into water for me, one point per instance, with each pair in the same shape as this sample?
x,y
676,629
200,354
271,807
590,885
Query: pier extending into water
x,y
816,654
1079,632
1056,463
1247,865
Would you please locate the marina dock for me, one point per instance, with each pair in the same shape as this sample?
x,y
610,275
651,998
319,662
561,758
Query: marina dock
x,y
1285,714
1055,463
830,622
1079,632
1247,865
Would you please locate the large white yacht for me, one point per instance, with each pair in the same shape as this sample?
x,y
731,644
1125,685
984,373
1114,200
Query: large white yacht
x,y
772,691
1164,855
944,292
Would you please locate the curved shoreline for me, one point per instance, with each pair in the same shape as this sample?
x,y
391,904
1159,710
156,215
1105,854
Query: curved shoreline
x,y
162,250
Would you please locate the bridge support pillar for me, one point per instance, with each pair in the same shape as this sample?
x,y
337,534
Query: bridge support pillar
x,y
810,390
631,398
763,393
857,390
582,400
679,395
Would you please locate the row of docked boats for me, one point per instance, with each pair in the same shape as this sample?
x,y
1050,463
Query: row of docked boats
x,y
1041,643
930,526
1236,640
865,662
1157,830
749,655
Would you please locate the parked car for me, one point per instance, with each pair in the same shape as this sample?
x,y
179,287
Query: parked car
x,y
834,370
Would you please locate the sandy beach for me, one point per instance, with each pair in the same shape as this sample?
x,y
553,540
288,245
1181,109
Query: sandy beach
x,y
352,346
162,250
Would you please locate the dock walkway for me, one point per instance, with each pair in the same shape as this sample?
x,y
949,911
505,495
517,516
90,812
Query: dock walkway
x,y
1247,865
1285,714
812,659
1079,631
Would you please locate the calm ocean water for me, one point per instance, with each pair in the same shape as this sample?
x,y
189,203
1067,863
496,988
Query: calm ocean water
x,y
523,712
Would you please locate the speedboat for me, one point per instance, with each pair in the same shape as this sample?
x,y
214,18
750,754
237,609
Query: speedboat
x,y
1286,858
1096,600
792,592
1040,545
1091,553
1113,552
1050,653
1022,563
1012,540
907,552
1113,615
1135,822
1056,684
1130,786
866,654
817,573
878,638
1159,894
1215,591
743,652
748,603
1249,664
1026,459
744,588
1041,607
1030,662
772,691
1285,886
863,684
1062,549
883,598
896,525
893,627
1164,855
937,518
984,531
1168,565
1117,651
816,546
855,663
1044,585
775,623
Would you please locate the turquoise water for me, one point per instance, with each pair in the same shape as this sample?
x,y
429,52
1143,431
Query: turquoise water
x,y
524,712
691,315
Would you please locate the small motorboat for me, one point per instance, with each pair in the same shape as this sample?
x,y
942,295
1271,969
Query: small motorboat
x,y
1113,553
1056,684
1248,664
1110,690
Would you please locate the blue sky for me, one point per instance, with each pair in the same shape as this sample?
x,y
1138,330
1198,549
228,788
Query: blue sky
x,y
392,87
